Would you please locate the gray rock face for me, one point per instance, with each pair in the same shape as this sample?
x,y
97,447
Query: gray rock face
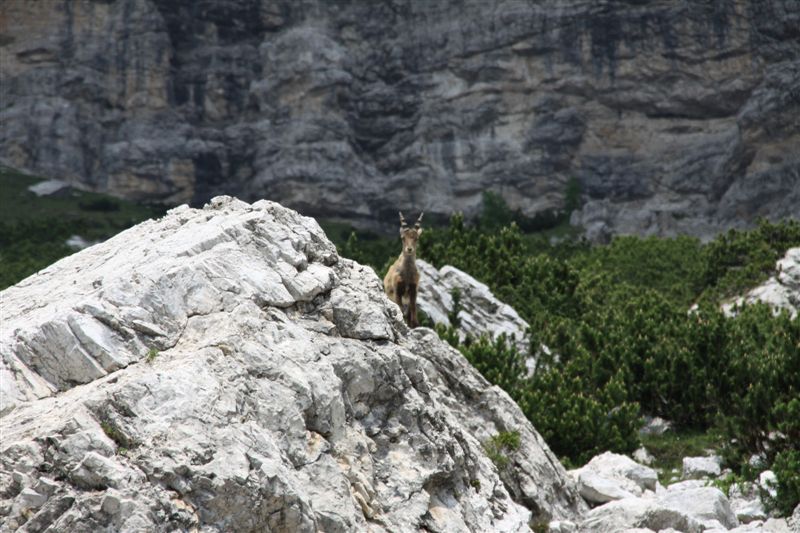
x,y
671,117
224,370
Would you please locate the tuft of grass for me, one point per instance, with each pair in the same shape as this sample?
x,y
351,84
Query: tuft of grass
x,y
152,353
114,434
725,483
499,447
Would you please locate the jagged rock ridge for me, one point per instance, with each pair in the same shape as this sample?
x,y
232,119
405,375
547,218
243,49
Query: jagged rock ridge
x,y
224,370
672,116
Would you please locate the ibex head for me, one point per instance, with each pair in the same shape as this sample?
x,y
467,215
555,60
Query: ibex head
x,y
410,236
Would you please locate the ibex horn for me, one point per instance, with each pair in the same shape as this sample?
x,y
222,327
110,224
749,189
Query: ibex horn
x,y
419,220
402,220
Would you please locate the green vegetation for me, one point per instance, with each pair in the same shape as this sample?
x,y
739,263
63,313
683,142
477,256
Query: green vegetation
x,y
622,341
115,435
33,230
152,353
500,446
669,449
624,344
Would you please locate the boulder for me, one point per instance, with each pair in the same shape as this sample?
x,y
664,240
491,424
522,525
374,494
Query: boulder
x,y
746,503
481,312
704,504
629,513
794,521
598,489
701,467
50,188
223,369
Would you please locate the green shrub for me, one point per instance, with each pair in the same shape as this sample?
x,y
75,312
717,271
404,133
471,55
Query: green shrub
x,y
499,362
500,446
787,473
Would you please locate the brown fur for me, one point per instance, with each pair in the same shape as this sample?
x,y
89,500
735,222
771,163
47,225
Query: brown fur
x,y
402,280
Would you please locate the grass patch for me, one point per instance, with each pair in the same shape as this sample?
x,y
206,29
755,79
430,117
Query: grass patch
x,y
499,447
152,353
122,442
669,449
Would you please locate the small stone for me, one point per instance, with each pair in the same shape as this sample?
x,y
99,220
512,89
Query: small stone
x,y
703,504
562,526
30,499
111,502
596,489
46,486
701,467
642,456
655,426
768,481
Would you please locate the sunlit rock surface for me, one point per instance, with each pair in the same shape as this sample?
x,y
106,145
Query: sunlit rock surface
x,y
224,370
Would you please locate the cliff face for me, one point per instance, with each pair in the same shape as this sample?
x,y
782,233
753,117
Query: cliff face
x,y
224,370
671,116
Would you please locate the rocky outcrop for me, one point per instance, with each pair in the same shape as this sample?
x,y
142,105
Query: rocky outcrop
x,y
781,291
669,117
628,497
224,370
479,313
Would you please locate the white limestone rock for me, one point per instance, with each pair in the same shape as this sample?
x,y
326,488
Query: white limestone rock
x,y
794,520
746,503
642,456
620,515
704,504
768,482
655,425
598,489
701,467
781,291
50,188
481,312
223,369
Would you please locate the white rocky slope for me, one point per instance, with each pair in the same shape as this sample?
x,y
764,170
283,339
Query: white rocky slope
x,y
224,370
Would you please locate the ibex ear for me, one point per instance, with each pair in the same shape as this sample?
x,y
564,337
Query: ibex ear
x,y
419,231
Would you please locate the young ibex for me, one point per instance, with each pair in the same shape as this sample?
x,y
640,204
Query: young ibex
x,y
402,280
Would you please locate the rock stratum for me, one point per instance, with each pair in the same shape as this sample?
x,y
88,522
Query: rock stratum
x,y
222,369
671,117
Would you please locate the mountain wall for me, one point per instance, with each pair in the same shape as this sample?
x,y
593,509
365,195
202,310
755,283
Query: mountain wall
x,y
667,116
224,369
